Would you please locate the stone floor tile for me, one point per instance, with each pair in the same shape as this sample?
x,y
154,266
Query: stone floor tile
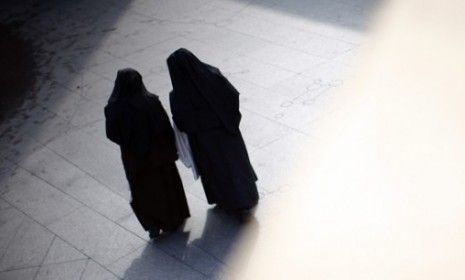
x,y
24,242
61,252
109,69
98,91
37,123
149,262
132,224
16,147
94,271
273,162
36,198
289,59
4,205
265,75
5,166
268,132
264,101
19,274
312,44
95,155
59,100
225,40
88,111
96,236
68,270
11,220
177,245
169,10
221,233
71,76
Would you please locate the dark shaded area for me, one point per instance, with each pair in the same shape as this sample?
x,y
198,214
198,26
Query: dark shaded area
x,y
47,44
16,56
354,14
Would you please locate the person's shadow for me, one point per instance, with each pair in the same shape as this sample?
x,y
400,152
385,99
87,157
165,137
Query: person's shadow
x,y
173,257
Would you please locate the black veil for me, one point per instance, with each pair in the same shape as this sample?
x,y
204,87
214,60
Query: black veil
x,y
133,115
188,73
128,83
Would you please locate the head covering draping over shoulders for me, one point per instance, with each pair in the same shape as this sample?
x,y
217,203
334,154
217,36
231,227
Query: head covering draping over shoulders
x,y
134,116
189,74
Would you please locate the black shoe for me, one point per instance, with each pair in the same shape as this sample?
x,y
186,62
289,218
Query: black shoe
x,y
244,215
154,232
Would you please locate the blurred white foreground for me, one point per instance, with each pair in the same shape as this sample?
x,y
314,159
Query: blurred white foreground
x,y
382,195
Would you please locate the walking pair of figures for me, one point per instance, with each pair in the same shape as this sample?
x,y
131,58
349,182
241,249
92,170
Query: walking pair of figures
x,y
205,106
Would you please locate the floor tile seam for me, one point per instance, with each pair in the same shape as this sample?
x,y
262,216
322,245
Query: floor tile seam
x,y
206,3
44,257
306,30
153,45
86,124
127,253
126,54
122,227
90,207
45,108
238,53
54,115
82,205
67,242
64,262
178,259
277,122
84,269
12,236
163,251
275,43
20,268
84,171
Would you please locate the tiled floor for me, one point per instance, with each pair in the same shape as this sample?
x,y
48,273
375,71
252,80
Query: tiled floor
x,y
64,211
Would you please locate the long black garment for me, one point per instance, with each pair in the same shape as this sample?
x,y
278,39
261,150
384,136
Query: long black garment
x,y
206,106
136,120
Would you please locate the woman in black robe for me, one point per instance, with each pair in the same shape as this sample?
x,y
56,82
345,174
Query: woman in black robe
x,y
206,107
137,122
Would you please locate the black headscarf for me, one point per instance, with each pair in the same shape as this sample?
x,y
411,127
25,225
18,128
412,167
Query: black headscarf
x,y
128,84
188,73
133,115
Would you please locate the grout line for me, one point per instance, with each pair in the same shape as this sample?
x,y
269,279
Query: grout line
x,y
63,262
85,172
307,30
47,229
45,256
127,254
277,122
20,268
84,205
85,268
105,217
11,238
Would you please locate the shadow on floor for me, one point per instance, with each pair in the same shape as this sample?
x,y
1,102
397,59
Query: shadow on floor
x,y
354,14
64,36
206,255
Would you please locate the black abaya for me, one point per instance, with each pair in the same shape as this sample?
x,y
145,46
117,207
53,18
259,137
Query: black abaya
x,y
206,106
136,120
